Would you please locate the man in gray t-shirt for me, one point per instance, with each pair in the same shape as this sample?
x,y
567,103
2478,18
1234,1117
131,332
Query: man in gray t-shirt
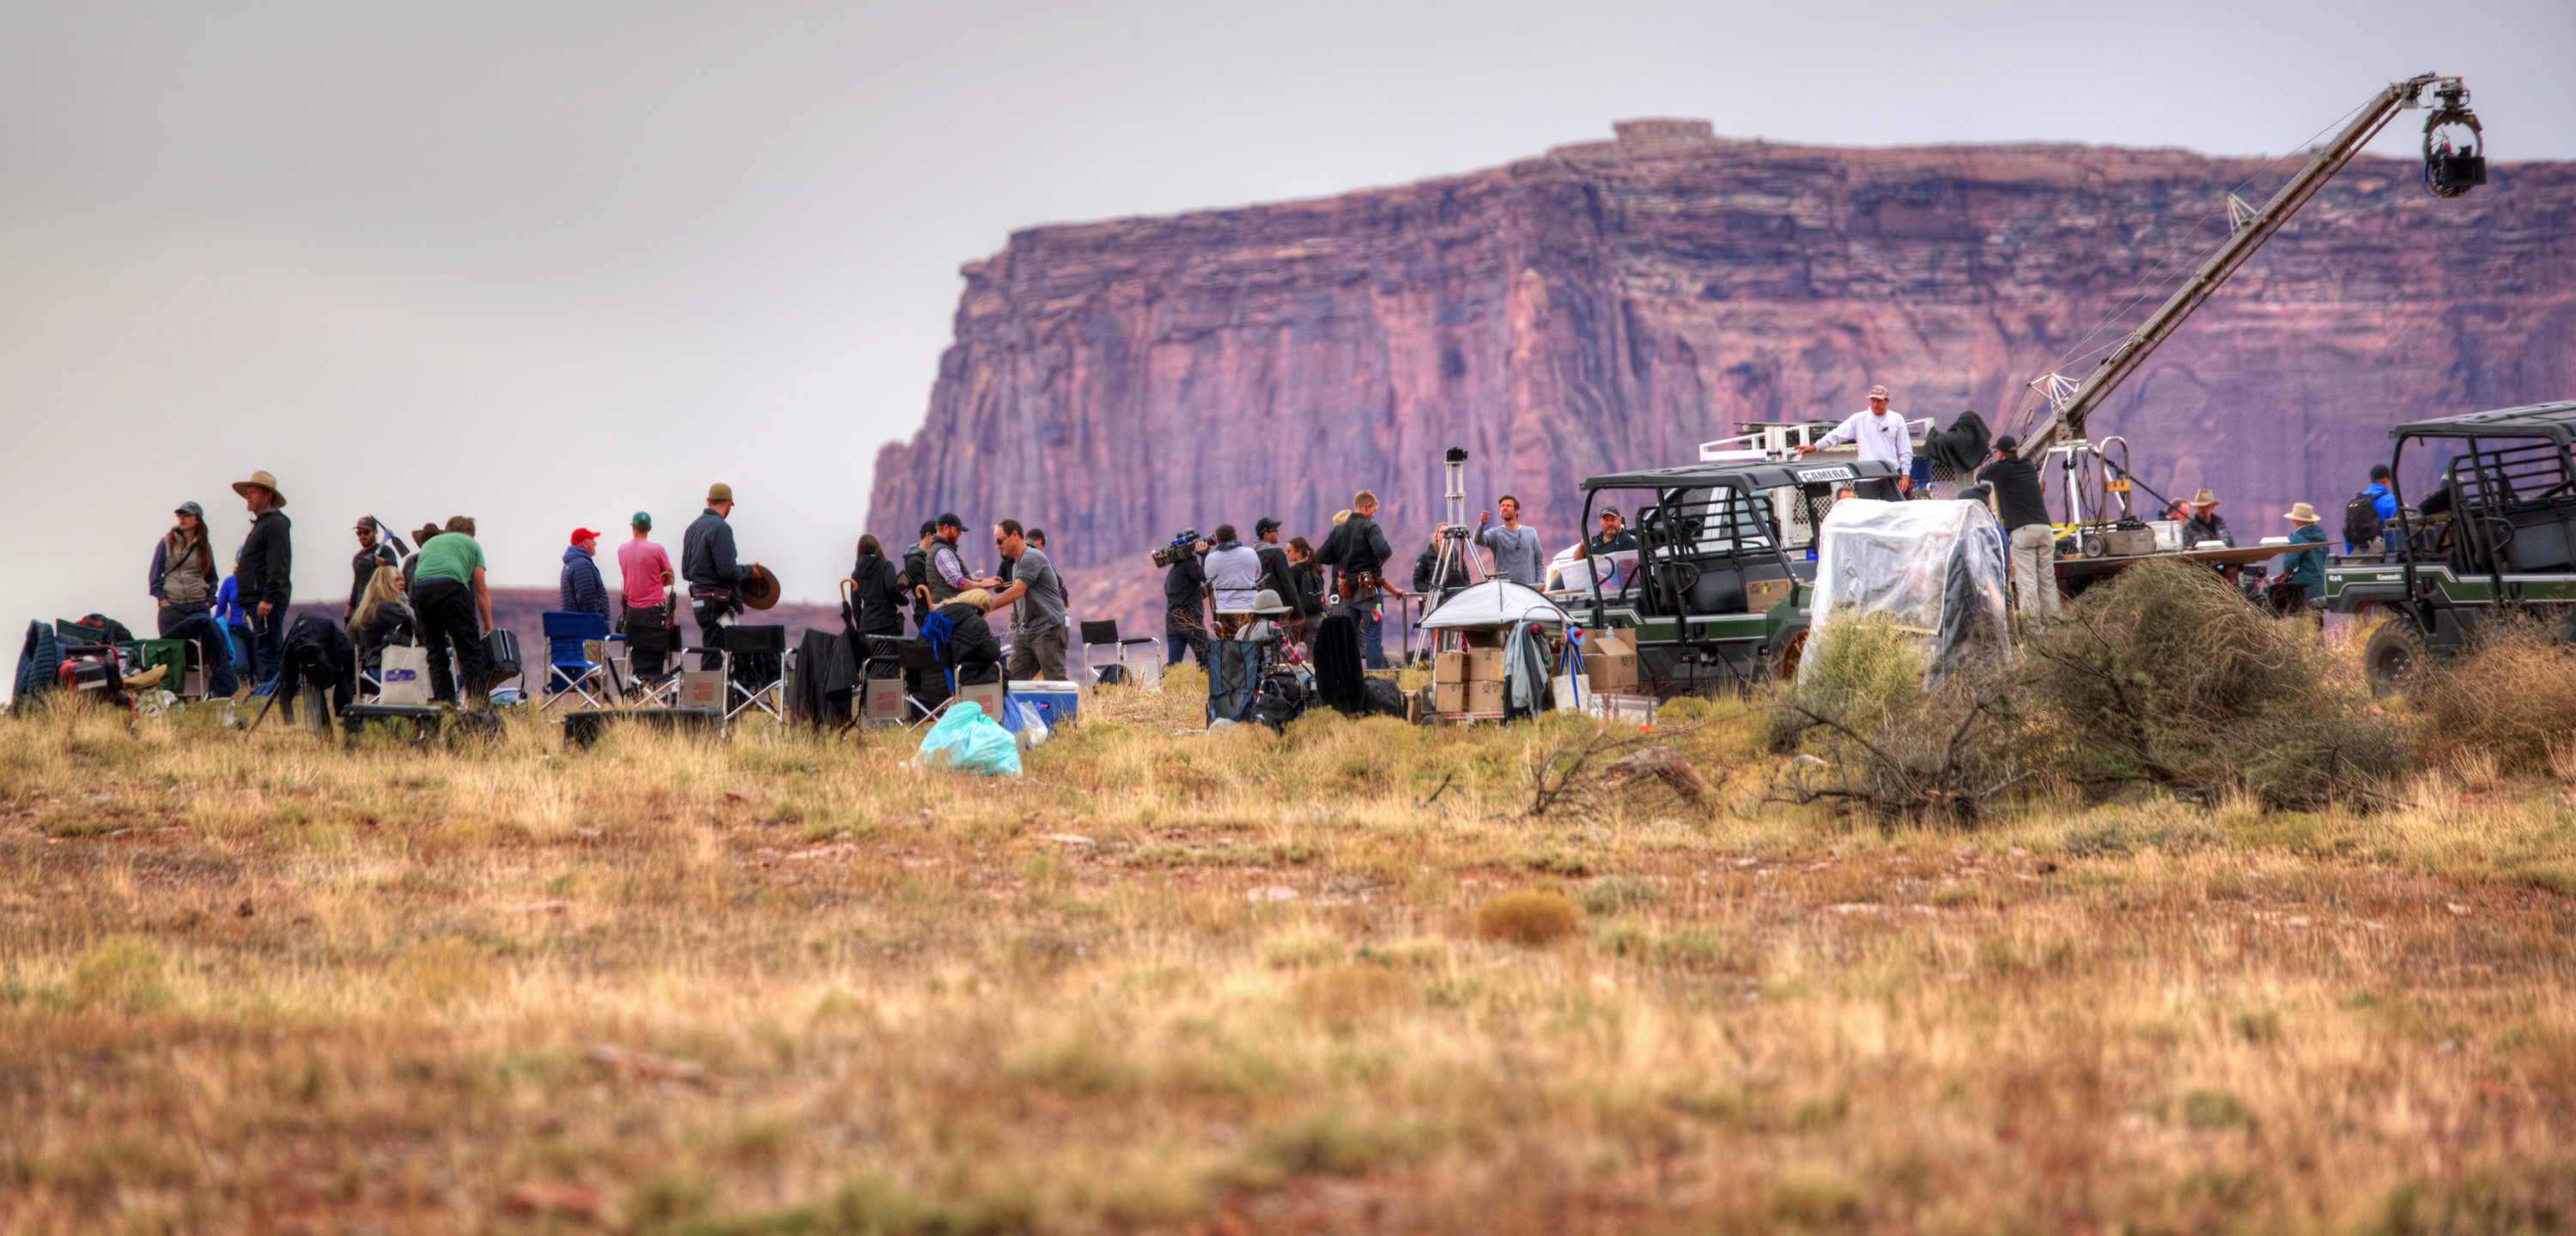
x,y
1037,598
1517,556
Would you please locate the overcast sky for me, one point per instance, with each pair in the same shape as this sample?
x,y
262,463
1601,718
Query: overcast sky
x,y
547,264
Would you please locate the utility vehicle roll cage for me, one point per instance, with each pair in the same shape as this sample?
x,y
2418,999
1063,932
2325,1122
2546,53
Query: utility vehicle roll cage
x,y
1711,512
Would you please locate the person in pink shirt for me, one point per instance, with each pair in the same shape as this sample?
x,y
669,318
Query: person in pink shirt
x,y
647,577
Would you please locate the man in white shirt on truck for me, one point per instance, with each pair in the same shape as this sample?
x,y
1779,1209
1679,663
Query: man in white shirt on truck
x,y
1881,435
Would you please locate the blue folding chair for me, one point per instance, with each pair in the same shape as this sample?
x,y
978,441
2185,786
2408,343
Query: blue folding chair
x,y
570,671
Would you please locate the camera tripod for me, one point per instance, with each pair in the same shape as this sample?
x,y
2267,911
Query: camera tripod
x,y
1453,542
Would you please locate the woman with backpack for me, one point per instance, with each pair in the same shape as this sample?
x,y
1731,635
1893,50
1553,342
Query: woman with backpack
x,y
183,570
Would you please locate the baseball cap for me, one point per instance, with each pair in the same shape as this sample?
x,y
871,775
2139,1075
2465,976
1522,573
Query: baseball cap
x,y
1266,524
1612,511
948,520
641,520
2008,444
190,508
1878,392
580,535
366,523
929,526
719,492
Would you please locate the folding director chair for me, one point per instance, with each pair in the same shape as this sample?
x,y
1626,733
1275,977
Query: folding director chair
x,y
756,668
569,669
1141,659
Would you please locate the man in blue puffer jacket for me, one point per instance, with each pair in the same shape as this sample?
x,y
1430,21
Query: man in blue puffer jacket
x,y
580,591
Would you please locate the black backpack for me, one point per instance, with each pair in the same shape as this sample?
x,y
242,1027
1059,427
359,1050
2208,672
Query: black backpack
x,y
2361,524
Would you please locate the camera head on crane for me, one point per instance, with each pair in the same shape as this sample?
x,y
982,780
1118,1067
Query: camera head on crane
x,y
2455,157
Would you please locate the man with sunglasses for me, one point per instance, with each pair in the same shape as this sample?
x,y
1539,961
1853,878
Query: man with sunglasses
x,y
1037,600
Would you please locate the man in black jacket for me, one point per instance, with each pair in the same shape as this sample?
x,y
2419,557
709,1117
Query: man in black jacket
x,y
1184,613
916,568
708,563
1357,551
2022,509
1276,574
266,568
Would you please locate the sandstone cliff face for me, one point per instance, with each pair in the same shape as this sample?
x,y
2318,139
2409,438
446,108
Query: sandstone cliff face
x,y
1611,305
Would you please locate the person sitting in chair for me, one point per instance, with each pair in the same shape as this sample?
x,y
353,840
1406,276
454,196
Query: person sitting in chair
x,y
963,641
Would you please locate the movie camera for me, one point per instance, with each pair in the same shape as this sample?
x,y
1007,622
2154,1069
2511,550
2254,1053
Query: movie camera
x,y
1184,544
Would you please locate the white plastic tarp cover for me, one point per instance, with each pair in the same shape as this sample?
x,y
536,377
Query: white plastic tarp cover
x,y
1935,568
1566,572
1493,603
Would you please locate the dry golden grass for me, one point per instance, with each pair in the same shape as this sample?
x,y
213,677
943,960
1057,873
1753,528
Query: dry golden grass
x,y
1240,982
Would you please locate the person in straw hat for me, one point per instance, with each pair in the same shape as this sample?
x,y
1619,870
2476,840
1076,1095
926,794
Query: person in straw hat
x,y
2204,524
2306,565
265,571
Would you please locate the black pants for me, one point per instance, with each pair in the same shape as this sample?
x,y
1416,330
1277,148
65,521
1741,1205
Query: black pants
x,y
711,613
1883,488
445,609
647,633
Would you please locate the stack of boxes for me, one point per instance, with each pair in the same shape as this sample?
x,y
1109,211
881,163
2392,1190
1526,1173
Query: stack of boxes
x,y
1469,681
1610,664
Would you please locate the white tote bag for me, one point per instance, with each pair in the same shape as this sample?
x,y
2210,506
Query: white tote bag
x,y
406,677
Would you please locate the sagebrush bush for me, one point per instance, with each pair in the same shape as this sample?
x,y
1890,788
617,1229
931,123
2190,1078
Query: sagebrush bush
x,y
1528,918
2167,675
2510,696
1858,670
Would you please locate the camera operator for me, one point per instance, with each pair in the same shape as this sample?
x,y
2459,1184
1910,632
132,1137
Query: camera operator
x,y
1357,551
1184,588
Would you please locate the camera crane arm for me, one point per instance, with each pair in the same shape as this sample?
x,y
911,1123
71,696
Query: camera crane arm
x,y
2447,173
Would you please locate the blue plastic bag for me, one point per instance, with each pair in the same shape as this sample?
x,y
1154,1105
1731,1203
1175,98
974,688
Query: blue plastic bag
x,y
968,741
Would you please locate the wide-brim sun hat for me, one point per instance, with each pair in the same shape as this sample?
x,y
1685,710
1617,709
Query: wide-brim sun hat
x,y
2303,513
262,480
1267,602
760,588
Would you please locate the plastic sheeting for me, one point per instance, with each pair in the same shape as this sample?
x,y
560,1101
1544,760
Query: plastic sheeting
x,y
1934,568
1494,603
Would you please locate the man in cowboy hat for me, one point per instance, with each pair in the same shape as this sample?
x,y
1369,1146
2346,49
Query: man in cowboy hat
x,y
266,571
1037,619
2305,567
1881,435
2204,524
707,562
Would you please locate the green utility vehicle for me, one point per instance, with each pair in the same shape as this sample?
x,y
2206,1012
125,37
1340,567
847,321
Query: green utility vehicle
x,y
2500,532
1716,595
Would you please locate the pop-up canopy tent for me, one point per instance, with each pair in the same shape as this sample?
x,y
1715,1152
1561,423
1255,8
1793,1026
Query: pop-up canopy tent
x,y
1934,568
1493,604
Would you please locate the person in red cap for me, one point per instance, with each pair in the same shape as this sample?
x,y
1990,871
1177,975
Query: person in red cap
x,y
580,589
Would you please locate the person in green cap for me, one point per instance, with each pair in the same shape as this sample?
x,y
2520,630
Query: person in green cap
x,y
646,572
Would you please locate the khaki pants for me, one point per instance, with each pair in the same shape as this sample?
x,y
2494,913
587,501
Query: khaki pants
x,y
2034,571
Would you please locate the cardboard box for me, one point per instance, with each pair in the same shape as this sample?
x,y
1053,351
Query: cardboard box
x,y
1761,596
1449,667
1610,664
1414,703
1484,665
1485,695
1449,696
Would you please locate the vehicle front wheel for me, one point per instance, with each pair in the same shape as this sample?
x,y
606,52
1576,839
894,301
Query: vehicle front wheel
x,y
2394,650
